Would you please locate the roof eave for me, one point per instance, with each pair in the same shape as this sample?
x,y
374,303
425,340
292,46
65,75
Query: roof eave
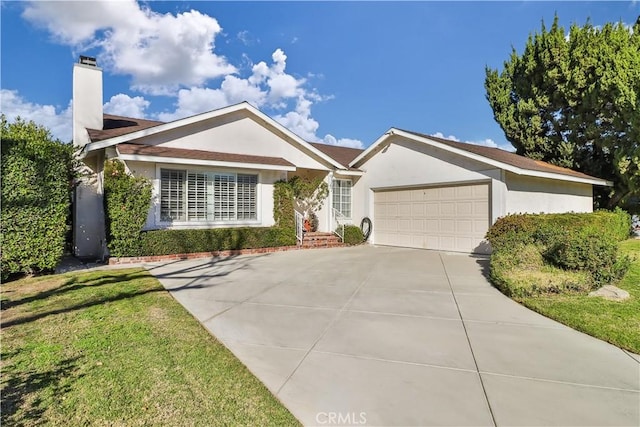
x,y
199,162
349,172
482,159
562,177
92,146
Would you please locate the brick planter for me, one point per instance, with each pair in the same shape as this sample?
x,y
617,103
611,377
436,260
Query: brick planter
x,y
214,254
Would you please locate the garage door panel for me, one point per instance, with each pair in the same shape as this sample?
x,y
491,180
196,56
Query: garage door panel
x,y
418,209
480,227
432,209
447,208
447,193
447,226
464,208
404,209
404,225
418,225
403,196
447,243
464,226
480,207
453,218
464,192
432,225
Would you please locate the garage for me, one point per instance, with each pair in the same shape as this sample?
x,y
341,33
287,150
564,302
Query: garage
x,y
450,218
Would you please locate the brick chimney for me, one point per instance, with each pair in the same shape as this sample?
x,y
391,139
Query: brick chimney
x,y
87,99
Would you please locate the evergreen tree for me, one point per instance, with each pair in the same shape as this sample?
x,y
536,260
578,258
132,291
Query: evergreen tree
x,y
574,101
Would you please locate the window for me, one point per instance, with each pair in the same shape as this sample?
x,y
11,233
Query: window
x,y
195,196
172,195
342,196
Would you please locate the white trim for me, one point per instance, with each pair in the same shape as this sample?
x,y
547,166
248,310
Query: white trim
x,y
501,165
198,162
266,120
345,172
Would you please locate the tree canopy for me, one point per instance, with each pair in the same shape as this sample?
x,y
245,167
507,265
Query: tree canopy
x,y
573,99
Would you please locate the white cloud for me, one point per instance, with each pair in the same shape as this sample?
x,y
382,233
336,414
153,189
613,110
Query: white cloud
x,y
268,86
300,121
160,51
488,142
247,38
194,101
302,124
57,120
124,105
343,142
441,135
174,55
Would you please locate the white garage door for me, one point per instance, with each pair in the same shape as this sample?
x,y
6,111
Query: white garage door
x,y
451,218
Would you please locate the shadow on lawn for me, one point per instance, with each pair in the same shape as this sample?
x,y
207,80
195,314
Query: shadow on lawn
x,y
17,386
120,296
70,285
217,267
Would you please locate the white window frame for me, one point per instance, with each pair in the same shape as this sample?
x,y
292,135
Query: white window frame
x,y
333,196
211,222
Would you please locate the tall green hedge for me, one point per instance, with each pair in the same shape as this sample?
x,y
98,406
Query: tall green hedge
x,y
37,173
127,200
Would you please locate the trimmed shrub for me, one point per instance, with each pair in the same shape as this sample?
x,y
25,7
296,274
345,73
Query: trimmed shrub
x,y
166,242
353,235
37,173
523,272
127,200
590,251
585,243
545,229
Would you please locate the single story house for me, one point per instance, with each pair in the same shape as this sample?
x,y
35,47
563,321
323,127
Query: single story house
x,y
217,169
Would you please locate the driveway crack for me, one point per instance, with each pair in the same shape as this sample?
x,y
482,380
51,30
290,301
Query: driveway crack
x,y
466,333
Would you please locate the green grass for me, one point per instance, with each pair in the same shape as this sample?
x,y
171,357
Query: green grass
x,y
113,348
617,322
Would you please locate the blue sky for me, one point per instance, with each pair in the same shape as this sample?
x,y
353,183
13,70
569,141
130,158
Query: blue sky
x,y
334,72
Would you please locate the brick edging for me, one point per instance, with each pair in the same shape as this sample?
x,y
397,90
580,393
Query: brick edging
x,y
213,254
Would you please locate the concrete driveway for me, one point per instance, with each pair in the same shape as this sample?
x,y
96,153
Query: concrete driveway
x,y
389,336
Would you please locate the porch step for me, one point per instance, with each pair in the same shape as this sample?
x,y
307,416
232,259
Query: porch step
x,y
320,240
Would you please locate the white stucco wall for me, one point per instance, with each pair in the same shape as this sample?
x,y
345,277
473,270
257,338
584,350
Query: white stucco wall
x,y
265,195
239,134
536,195
405,163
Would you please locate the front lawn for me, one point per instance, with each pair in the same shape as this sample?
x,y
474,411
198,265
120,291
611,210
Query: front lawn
x,y
113,348
615,322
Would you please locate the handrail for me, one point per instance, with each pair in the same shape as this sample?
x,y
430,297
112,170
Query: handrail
x,y
299,226
338,223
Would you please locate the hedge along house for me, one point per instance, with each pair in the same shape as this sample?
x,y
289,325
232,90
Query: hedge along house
x,y
217,169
